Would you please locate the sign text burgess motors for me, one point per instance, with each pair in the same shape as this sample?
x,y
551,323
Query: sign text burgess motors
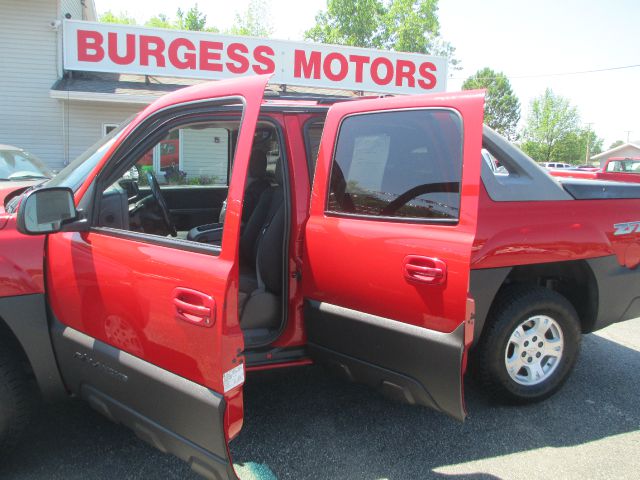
x,y
102,47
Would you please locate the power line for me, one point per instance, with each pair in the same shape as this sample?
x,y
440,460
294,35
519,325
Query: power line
x,y
539,75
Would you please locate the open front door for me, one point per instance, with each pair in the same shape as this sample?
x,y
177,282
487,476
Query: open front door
x,y
145,323
388,244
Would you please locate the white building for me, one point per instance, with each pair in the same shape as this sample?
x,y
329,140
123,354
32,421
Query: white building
x,y
52,113
66,81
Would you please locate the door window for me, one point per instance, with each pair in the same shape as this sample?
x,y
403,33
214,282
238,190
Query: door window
x,y
190,155
172,187
404,165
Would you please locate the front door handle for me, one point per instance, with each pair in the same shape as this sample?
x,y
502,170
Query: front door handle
x,y
417,268
194,307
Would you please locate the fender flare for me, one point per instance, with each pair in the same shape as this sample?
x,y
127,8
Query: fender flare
x,y
26,317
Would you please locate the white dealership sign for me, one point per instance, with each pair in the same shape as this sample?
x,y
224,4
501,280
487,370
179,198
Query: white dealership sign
x,y
104,47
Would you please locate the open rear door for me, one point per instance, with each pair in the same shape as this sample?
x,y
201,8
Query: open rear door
x,y
388,244
145,326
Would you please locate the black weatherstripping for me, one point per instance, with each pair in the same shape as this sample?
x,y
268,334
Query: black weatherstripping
x,y
26,316
173,414
410,363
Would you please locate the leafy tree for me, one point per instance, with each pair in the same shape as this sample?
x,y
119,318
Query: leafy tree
x,y
573,147
595,142
159,21
122,18
194,19
551,124
401,25
254,21
502,108
615,144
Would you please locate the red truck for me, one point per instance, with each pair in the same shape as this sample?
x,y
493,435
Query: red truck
x,y
380,244
617,169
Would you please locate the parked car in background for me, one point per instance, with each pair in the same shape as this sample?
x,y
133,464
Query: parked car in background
x,y
16,164
617,169
556,165
623,165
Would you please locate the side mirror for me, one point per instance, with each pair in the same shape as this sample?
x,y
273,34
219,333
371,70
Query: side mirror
x,y
46,211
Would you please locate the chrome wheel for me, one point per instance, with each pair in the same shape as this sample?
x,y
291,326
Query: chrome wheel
x,y
534,350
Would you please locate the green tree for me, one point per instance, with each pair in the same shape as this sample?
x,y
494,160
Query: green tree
x,y
122,18
194,19
552,126
502,107
400,25
615,144
254,21
160,21
595,142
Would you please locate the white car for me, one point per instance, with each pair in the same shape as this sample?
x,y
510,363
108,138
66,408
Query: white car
x,y
556,165
18,165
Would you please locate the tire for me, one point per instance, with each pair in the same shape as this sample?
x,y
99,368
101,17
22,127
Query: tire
x,y
18,396
511,366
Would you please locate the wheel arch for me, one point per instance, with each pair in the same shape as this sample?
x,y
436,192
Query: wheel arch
x,y
573,279
24,326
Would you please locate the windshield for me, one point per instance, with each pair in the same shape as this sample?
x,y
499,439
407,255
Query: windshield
x,y
76,172
16,164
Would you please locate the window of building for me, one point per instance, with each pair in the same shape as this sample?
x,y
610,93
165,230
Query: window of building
x,y
402,165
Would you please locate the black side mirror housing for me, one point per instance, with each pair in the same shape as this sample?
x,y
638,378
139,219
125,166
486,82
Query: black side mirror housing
x,y
47,210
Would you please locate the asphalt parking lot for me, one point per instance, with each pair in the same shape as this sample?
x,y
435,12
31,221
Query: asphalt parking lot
x,y
306,424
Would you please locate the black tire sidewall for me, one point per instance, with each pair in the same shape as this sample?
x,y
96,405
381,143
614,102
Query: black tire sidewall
x,y
17,398
529,304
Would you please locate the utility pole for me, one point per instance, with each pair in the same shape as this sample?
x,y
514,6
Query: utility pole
x,y
587,159
628,132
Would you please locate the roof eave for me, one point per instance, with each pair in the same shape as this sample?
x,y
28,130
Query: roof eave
x,y
611,152
102,97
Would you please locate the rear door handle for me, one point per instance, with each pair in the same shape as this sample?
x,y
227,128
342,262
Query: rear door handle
x,y
417,268
194,307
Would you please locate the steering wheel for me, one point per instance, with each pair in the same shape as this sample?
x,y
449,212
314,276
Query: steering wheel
x,y
157,195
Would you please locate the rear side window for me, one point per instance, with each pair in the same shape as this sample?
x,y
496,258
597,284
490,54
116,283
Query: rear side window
x,y
404,165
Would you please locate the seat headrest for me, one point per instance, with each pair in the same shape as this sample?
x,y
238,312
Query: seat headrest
x,y
258,164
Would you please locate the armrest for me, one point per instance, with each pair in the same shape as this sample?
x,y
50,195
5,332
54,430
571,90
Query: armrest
x,y
211,233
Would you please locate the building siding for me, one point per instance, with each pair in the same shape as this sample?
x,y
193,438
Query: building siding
x,y
85,120
204,153
29,117
73,8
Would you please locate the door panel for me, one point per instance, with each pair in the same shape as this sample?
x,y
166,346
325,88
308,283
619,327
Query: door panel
x,y
389,243
147,329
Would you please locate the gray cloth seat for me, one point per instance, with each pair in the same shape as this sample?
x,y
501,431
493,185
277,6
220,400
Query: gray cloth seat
x,y
261,261
257,182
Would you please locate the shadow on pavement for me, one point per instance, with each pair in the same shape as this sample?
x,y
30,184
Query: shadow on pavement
x,y
305,423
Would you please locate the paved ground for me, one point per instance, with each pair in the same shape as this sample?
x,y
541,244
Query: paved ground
x,y
306,424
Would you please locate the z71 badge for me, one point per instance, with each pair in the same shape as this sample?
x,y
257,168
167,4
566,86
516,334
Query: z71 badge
x,y
626,228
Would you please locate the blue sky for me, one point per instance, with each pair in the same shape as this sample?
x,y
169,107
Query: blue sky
x,y
535,43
